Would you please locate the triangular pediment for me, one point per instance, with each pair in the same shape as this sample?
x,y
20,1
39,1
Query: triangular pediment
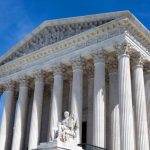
x,y
52,31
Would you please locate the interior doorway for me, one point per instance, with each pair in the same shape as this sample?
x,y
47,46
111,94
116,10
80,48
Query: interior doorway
x,y
84,128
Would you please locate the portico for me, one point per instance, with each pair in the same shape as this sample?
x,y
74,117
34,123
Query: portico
x,y
70,70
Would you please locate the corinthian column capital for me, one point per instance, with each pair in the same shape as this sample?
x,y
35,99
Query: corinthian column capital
x,y
57,69
23,81
123,48
9,86
137,59
76,63
99,56
39,76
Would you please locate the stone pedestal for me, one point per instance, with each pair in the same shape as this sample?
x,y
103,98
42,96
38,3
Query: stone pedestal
x,y
57,145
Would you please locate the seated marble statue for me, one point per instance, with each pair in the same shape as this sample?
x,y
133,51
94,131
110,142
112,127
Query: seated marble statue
x,y
67,128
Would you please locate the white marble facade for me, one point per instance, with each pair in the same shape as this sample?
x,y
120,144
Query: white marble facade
x,y
96,67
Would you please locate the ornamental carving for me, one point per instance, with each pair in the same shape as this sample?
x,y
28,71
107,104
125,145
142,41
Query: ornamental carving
x,y
112,63
9,85
77,63
99,55
137,59
57,69
123,48
39,75
89,69
51,35
23,81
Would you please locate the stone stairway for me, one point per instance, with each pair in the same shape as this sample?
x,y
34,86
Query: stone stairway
x,y
91,147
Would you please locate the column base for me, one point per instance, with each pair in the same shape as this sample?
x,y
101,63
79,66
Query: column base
x,y
57,145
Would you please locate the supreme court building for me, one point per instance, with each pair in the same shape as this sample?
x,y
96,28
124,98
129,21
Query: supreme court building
x,y
96,67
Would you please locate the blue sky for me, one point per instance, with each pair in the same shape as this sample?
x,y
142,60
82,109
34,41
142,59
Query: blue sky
x,y
19,17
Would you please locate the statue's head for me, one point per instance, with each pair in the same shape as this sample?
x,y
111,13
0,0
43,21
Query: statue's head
x,y
72,115
66,114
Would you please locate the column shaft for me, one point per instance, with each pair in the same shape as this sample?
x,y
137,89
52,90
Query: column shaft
x,y
147,88
35,125
19,131
140,107
6,125
56,106
99,137
125,103
114,111
90,110
70,94
77,88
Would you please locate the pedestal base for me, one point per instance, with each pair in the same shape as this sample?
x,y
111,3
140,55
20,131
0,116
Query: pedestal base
x,y
57,145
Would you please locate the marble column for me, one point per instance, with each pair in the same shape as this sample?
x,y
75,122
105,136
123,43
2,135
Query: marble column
x,y
19,130
70,93
142,139
99,115
125,99
35,125
90,106
56,105
77,94
114,109
50,106
147,91
6,128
